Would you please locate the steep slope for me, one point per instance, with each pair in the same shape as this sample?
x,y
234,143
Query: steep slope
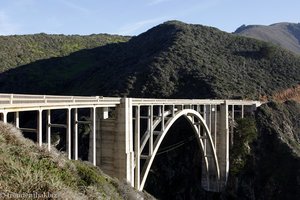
x,y
272,172
27,169
288,94
277,152
287,35
173,59
19,50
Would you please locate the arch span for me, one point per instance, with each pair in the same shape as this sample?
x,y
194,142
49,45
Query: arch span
x,y
196,121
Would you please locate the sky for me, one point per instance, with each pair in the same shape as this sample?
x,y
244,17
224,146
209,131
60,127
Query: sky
x,y
132,17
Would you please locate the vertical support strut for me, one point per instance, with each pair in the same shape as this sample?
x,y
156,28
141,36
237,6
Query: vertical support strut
x,y
163,118
216,124
173,110
223,143
76,133
17,119
159,111
94,134
49,129
68,130
40,127
204,132
232,125
5,117
150,114
210,117
137,148
242,111
227,140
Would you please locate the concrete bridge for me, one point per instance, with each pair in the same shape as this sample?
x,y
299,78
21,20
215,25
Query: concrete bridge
x,y
126,133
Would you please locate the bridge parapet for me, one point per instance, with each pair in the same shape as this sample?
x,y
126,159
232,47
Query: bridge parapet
x,y
22,100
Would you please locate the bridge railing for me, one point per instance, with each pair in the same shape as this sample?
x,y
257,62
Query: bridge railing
x,y
146,101
141,101
26,99
18,99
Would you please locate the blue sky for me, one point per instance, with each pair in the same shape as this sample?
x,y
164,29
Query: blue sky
x,y
132,17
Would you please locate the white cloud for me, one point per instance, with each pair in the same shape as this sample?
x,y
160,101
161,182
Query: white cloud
x,y
132,29
6,26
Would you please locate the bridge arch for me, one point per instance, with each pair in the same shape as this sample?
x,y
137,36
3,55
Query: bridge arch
x,y
196,121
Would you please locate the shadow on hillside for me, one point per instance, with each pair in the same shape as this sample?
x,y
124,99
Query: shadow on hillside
x,y
60,75
111,70
249,54
295,31
51,76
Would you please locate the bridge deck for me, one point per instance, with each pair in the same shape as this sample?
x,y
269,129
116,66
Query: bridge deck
x,y
24,102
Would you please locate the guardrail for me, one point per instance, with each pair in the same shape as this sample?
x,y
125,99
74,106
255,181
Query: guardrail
x,y
18,99
145,101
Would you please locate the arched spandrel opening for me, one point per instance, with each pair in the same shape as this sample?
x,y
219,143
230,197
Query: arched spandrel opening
x,y
176,170
210,180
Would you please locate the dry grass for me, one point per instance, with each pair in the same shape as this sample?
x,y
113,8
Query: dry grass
x,y
289,94
26,168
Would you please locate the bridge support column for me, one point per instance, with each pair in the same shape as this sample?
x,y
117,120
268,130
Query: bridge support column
x,y
40,127
94,116
5,117
124,160
17,119
137,149
48,129
223,145
75,122
106,139
68,132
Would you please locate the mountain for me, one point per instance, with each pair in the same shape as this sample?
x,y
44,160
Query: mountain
x,y
17,50
173,59
286,35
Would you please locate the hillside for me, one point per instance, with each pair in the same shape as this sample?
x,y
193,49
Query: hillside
x,y
19,50
272,171
28,169
286,35
173,59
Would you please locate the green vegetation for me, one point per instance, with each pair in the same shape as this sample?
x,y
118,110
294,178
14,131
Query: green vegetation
x,y
20,50
245,134
171,60
28,169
